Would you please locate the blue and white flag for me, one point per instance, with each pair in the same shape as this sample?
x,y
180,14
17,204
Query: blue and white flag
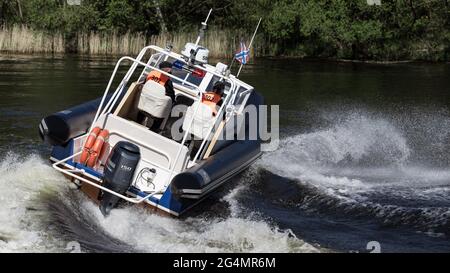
x,y
244,55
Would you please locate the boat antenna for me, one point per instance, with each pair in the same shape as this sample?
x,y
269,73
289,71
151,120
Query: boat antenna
x,y
203,28
250,46
200,36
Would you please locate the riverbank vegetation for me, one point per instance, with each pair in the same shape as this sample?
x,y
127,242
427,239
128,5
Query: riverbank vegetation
x,y
25,40
341,29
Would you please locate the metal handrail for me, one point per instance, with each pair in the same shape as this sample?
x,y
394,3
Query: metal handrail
x,y
178,57
189,128
119,89
150,61
219,114
231,98
70,173
133,68
127,77
116,95
113,100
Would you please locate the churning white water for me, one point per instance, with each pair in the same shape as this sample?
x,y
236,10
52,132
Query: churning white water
x,y
367,159
361,166
233,234
22,182
358,151
28,184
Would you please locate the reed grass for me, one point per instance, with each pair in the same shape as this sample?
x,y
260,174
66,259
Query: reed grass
x,y
21,39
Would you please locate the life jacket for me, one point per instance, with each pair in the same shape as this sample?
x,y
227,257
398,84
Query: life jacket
x,y
158,77
211,99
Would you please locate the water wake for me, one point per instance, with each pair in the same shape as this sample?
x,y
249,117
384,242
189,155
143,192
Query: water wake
x,y
40,212
22,182
134,229
359,169
362,167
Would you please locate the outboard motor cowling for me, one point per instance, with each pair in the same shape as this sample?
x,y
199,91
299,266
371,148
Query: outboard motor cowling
x,y
120,167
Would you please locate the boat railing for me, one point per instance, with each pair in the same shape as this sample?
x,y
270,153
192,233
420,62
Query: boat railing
x,y
116,95
215,125
113,100
73,173
136,62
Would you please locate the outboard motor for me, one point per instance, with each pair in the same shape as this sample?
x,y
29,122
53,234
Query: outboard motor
x,y
120,167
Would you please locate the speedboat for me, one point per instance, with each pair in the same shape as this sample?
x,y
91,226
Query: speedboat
x,y
106,148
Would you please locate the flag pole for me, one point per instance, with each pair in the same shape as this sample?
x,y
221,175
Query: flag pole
x,y
231,65
222,123
250,46
232,62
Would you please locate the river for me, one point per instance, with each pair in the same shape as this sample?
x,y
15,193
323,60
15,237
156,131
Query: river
x,y
364,157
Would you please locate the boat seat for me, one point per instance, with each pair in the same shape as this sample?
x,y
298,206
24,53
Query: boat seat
x,y
203,120
153,100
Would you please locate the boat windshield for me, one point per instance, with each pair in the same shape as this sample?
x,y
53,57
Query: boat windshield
x,y
188,76
213,82
183,77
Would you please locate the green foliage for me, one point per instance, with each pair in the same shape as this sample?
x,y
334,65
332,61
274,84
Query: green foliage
x,y
397,29
352,29
119,14
44,14
9,13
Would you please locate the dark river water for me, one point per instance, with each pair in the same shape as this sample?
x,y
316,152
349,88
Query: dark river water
x,y
363,157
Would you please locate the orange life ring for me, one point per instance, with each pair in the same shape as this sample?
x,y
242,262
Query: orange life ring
x,y
88,145
97,148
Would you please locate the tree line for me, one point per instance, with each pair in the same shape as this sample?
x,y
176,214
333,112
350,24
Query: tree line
x,y
350,29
